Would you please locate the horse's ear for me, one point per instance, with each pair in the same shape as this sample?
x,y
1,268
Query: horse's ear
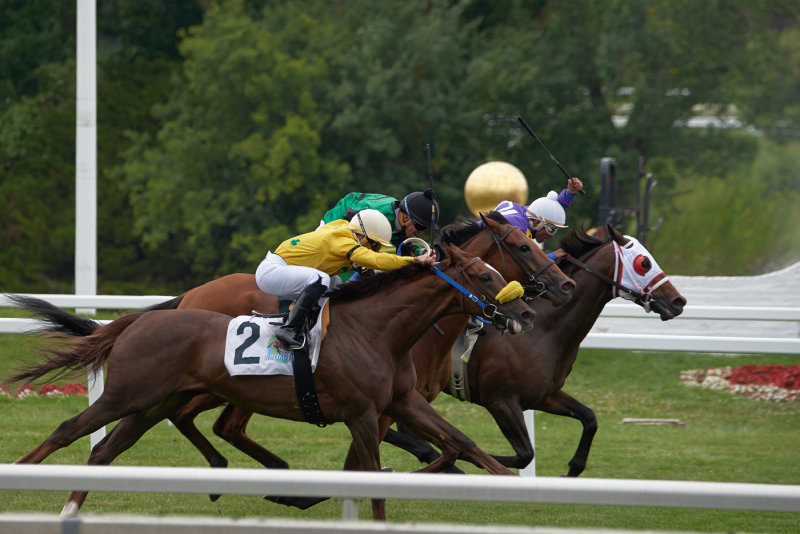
x,y
490,222
616,235
454,254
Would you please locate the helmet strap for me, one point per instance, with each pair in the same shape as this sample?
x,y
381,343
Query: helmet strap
x,y
409,220
361,224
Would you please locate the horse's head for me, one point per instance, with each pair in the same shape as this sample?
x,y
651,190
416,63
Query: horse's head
x,y
648,286
487,294
519,258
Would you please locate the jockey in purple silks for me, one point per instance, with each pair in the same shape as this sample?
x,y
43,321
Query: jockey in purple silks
x,y
545,215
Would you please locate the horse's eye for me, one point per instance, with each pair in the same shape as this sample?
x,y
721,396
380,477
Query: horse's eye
x,y
641,264
525,248
486,277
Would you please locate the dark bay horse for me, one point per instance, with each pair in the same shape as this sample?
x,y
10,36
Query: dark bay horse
x,y
509,375
157,360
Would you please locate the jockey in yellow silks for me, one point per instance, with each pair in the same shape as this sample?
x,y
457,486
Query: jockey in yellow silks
x,y
301,267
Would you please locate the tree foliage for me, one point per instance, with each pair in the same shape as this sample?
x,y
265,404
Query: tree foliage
x,y
226,127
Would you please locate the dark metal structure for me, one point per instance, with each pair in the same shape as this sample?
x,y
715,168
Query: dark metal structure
x,y
611,189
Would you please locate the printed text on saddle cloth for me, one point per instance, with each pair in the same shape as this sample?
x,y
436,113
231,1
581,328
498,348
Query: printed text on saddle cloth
x,y
636,269
250,347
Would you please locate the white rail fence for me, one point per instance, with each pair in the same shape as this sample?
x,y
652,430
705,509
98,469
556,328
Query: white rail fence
x,y
353,486
416,486
621,316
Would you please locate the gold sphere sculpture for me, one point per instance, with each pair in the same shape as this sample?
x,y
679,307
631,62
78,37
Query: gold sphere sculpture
x,y
493,182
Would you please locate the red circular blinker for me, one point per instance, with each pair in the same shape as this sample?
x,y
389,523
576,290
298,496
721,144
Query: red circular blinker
x,y
641,264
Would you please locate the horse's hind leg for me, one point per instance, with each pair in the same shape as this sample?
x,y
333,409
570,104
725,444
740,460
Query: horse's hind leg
x,y
183,419
561,403
123,436
92,418
231,425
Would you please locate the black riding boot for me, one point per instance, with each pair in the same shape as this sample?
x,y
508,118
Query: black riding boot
x,y
291,333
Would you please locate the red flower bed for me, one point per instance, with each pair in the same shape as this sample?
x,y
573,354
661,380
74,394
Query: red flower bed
x,y
49,390
783,376
778,383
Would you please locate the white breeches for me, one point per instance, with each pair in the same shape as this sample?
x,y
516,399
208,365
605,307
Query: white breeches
x,y
276,277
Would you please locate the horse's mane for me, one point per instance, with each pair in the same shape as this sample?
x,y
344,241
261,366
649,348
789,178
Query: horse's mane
x,y
456,234
463,230
372,283
577,243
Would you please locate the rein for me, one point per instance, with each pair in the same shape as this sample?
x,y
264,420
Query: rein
x,y
489,310
533,290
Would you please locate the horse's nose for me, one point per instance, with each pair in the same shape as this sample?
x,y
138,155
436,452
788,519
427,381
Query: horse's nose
x,y
568,286
678,303
528,317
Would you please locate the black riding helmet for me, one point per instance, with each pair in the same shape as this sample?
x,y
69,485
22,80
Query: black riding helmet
x,y
417,205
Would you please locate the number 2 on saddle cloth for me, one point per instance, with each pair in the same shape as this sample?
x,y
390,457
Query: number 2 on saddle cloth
x,y
251,348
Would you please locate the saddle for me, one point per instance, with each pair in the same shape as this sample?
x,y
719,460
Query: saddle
x,y
301,364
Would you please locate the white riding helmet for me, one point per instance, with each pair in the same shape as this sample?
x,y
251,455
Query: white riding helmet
x,y
547,210
373,225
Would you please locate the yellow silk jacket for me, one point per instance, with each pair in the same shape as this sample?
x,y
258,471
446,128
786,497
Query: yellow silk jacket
x,y
333,249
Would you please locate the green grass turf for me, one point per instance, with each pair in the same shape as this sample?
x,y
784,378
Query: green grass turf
x,y
727,438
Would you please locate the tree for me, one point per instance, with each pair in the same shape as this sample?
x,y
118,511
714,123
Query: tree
x,y
236,166
37,186
35,33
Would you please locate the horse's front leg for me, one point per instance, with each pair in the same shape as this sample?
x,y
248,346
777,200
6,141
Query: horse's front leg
x,y
366,433
507,413
405,439
415,412
561,403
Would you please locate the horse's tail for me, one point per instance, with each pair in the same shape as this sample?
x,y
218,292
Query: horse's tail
x,y
57,321
85,353
171,304
60,322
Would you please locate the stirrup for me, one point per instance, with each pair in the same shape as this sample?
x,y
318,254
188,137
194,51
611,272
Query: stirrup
x,y
474,325
291,346
302,345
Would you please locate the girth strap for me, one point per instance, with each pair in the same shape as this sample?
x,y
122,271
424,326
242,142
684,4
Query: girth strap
x,y
304,387
459,361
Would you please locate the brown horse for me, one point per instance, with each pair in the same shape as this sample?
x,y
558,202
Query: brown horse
x,y
499,242
508,375
157,360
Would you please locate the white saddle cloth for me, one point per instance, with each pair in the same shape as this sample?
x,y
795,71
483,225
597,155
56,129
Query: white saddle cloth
x,y
250,346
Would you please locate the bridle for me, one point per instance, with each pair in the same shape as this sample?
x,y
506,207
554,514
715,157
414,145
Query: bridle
x,y
533,288
643,298
489,307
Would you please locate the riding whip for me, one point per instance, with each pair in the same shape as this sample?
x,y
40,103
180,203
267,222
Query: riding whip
x,y
552,157
433,195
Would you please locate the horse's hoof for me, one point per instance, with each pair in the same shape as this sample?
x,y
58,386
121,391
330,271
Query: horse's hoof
x,y
303,503
387,469
214,498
